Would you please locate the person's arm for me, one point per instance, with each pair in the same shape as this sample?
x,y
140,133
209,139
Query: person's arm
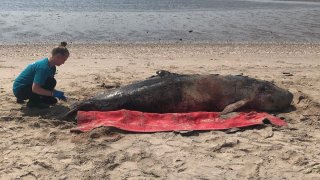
x,y
37,89
40,79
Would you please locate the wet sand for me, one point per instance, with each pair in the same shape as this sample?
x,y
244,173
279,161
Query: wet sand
x,y
37,145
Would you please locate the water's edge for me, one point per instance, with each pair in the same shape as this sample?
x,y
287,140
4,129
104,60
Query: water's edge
x,y
204,21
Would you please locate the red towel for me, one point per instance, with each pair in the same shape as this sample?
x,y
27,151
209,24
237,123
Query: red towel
x,y
136,121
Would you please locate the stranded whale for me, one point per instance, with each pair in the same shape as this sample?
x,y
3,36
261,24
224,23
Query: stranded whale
x,y
169,92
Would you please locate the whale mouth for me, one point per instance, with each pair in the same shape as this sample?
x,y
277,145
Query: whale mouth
x,y
284,100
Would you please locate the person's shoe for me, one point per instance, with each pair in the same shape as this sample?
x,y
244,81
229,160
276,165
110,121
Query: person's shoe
x,y
50,100
20,101
39,105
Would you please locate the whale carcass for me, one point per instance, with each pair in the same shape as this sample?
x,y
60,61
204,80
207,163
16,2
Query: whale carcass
x,y
169,92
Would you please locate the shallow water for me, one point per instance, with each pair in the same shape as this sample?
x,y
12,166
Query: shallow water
x,y
24,21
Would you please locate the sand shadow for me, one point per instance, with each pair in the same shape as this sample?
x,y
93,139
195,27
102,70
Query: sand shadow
x,y
54,113
183,133
227,131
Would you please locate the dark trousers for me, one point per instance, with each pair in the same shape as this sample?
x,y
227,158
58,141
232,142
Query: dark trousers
x,y
26,92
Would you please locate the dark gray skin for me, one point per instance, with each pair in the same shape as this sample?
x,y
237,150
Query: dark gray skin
x,y
169,92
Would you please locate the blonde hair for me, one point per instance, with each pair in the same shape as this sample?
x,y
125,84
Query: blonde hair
x,y
61,49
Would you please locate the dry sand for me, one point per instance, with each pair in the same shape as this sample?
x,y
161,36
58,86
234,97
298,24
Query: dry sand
x,y
36,145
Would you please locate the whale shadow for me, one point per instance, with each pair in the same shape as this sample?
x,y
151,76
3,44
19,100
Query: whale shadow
x,y
53,113
289,109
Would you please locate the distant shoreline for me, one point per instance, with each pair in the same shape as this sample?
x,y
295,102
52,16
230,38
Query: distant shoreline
x,y
163,44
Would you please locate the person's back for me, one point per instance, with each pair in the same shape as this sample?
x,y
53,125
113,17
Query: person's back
x,y
36,72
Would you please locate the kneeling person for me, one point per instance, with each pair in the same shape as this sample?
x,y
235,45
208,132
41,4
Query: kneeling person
x,y
37,82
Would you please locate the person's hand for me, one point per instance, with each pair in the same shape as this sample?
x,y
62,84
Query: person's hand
x,y
59,95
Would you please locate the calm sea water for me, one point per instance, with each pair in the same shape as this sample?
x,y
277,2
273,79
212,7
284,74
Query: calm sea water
x,y
25,21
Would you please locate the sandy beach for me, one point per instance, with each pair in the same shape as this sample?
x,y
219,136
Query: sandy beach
x,y
35,144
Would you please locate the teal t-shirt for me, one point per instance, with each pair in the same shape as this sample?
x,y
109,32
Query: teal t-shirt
x,y
37,72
